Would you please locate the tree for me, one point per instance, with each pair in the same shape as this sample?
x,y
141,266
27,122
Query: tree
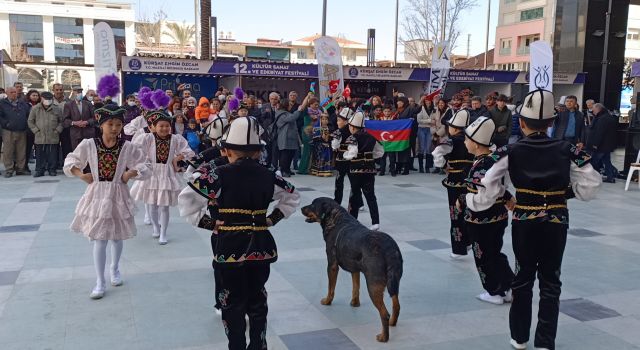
x,y
149,32
205,29
422,24
181,34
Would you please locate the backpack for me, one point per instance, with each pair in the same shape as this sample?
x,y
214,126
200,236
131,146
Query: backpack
x,y
192,139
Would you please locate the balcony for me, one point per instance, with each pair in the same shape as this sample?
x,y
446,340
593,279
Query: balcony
x,y
505,51
522,51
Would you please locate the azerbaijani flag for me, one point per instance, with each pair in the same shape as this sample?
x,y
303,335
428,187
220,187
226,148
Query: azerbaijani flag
x,y
393,134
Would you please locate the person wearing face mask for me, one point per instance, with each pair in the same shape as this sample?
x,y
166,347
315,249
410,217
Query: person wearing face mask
x,y
132,110
45,121
78,116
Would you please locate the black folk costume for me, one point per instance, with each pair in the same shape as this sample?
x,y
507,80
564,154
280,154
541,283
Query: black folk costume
x,y
545,173
244,247
458,161
485,228
362,151
339,145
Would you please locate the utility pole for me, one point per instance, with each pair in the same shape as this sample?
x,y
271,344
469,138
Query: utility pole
x,y
468,44
196,6
605,54
443,5
324,17
395,42
486,41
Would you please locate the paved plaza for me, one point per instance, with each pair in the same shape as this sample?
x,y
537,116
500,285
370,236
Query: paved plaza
x,y
46,274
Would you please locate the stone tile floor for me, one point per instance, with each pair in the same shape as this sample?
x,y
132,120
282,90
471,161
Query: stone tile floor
x,y
46,274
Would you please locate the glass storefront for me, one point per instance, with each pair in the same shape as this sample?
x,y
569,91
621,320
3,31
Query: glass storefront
x,y
26,38
69,40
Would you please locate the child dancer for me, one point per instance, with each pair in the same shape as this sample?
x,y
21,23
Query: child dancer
x,y
339,145
164,150
545,173
106,211
244,250
486,227
454,154
322,156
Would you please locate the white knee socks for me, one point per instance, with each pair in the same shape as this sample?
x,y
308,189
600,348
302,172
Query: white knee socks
x,y
164,223
153,213
99,261
116,252
147,217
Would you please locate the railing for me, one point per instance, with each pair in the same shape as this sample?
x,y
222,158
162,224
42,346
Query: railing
x,y
524,50
505,51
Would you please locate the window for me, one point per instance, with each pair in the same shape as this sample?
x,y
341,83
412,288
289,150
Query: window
x,y
509,1
531,14
633,34
302,53
505,47
351,55
70,78
119,35
25,33
69,40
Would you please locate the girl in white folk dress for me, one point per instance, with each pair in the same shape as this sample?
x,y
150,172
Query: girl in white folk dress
x,y
106,210
164,150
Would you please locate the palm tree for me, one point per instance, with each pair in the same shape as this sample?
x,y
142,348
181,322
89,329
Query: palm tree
x,y
205,29
181,34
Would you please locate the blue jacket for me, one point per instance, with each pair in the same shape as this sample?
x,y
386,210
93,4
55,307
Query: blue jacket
x,y
14,118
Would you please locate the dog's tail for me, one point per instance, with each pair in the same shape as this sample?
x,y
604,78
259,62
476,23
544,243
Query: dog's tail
x,y
393,259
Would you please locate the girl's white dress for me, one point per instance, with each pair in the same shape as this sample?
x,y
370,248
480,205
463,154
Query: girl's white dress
x,y
164,185
136,126
106,210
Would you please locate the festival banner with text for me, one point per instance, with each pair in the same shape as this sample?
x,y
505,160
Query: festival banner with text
x,y
330,73
440,66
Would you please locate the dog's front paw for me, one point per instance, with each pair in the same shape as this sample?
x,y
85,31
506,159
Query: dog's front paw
x,y
382,338
355,302
326,301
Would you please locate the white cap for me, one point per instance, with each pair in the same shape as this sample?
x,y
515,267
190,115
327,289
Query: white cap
x,y
216,128
539,105
460,119
345,113
481,131
357,120
243,135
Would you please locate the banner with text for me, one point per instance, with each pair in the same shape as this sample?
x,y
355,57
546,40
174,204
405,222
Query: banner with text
x,y
265,69
330,72
541,76
440,66
385,73
104,51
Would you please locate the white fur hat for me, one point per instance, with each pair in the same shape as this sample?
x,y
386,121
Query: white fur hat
x,y
357,120
460,119
345,113
538,104
243,135
481,131
216,128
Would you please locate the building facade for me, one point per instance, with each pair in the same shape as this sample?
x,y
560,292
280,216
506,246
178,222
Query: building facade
x,y
353,53
52,41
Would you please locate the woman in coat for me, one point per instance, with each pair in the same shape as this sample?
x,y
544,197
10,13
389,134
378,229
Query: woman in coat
x,y
45,121
287,139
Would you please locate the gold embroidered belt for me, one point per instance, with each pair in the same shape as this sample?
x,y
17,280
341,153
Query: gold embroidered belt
x,y
243,228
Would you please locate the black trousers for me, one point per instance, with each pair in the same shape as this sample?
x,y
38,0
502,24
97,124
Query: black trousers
x,y
286,156
273,154
343,170
538,247
243,293
65,145
393,157
217,284
46,158
29,150
493,266
459,237
363,184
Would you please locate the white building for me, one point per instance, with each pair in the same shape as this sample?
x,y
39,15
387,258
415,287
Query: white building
x,y
632,50
56,38
353,53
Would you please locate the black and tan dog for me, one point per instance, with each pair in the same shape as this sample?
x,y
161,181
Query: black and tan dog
x,y
356,249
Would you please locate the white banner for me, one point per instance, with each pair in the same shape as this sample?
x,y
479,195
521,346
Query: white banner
x,y
378,73
440,66
541,73
165,65
69,41
105,51
329,66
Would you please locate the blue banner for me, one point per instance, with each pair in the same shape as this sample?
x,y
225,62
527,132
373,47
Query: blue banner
x,y
265,69
199,85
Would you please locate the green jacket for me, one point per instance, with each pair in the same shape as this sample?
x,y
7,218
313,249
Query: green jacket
x,y
502,118
46,124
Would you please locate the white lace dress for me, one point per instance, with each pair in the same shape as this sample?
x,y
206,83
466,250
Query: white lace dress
x,y
164,185
106,210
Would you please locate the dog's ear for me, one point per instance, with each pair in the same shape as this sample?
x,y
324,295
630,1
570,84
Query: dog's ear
x,y
325,207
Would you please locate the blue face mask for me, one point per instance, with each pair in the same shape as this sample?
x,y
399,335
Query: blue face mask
x,y
78,97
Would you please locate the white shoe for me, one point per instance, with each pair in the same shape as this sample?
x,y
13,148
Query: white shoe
x,y
455,256
469,247
375,227
362,209
146,220
508,296
162,241
542,348
492,299
517,345
155,235
97,293
116,279
218,311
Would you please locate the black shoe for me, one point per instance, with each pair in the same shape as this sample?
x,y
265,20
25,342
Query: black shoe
x,y
23,172
612,181
381,173
38,174
393,174
8,174
53,173
406,171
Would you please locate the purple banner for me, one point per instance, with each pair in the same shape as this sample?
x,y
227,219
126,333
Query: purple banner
x,y
265,69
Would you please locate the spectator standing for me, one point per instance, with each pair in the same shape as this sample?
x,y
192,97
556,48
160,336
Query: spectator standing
x,y
266,120
569,124
477,109
440,115
33,99
59,100
311,116
14,114
288,138
501,116
45,121
20,89
603,141
78,116
405,111
425,123
132,111
388,114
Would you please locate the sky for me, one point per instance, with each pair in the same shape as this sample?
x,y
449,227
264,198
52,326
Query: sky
x,y
294,19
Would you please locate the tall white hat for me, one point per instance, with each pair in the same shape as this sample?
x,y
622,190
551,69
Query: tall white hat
x,y
243,135
538,104
357,120
217,127
345,113
460,119
481,131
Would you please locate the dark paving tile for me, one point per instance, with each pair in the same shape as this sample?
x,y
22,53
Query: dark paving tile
x,y
586,310
8,277
581,232
304,189
35,199
406,185
19,228
319,340
429,244
46,181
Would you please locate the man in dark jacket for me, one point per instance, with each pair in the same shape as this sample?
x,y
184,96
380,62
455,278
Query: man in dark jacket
x,y
14,114
78,115
477,109
267,120
569,124
602,141
501,116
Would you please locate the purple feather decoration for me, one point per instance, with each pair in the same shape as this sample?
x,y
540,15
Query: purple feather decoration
x,y
145,100
109,85
144,90
160,99
234,103
239,93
